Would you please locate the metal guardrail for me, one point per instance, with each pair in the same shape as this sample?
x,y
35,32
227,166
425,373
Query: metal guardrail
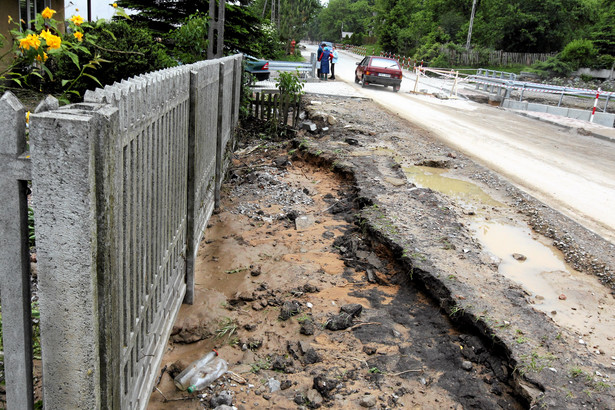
x,y
487,79
304,68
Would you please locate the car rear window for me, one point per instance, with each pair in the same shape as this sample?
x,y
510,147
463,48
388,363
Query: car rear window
x,y
383,63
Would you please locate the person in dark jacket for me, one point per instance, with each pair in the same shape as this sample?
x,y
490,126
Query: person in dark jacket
x,y
325,57
318,54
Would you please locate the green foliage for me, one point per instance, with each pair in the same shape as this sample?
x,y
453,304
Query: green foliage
x,y
579,53
290,84
131,49
552,67
189,41
356,19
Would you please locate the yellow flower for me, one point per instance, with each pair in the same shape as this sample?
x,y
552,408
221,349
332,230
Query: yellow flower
x,y
27,117
10,19
45,57
48,13
32,40
53,41
78,35
114,5
45,34
78,20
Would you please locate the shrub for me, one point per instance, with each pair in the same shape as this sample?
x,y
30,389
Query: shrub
x,y
189,41
552,67
130,49
579,53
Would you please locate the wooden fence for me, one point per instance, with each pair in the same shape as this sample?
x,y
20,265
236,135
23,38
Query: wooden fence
x,y
272,106
494,58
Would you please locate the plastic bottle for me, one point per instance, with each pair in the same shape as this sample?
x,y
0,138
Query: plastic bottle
x,y
183,380
207,374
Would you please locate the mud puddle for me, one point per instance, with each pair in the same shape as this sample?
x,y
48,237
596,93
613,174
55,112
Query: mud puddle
x,y
309,313
572,299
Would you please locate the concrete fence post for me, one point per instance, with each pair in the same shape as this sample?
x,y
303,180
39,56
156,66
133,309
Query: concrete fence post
x,y
71,170
220,138
237,71
14,254
192,181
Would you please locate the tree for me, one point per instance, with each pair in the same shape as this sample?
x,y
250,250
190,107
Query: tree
x,y
243,30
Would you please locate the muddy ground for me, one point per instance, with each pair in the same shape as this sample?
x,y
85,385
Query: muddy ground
x,y
329,277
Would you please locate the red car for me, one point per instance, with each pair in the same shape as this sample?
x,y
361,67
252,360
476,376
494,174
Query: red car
x,y
378,70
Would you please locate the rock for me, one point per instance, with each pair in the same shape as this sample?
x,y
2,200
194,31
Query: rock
x,y
339,322
311,357
224,407
331,119
352,141
441,162
303,222
373,276
324,385
562,297
308,126
310,288
314,398
281,363
441,96
225,397
368,401
368,350
466,365
396,182
273,385
353,309
307,327
281,161
289,309
299,399
256,271
519,257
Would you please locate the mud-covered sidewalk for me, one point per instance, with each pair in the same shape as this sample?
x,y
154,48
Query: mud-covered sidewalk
x,y
330,277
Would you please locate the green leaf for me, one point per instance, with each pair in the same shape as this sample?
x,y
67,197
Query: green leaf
x,y
93,78
64,82
110,33
49,73
74,57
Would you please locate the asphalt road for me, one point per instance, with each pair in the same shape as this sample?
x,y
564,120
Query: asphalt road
x,y
572,173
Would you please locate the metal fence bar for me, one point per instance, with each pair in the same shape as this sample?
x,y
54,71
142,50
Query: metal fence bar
x,y
15,170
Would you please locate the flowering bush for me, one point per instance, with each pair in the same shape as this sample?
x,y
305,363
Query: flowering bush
x,y
34,49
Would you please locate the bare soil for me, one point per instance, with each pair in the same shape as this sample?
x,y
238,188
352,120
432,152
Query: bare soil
x,y
328,279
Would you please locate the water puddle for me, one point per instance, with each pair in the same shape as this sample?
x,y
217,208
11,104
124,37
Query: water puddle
x,y
573,299
465,192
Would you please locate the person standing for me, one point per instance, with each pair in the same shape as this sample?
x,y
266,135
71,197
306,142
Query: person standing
x,y
318,55
334,58
324,63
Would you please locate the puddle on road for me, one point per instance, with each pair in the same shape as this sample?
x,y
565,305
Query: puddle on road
x,y
466,192
585,305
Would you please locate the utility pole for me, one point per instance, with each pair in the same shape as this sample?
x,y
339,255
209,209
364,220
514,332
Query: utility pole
x,y
471,23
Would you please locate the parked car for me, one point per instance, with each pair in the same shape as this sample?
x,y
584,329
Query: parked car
x,y
257,67
378,70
